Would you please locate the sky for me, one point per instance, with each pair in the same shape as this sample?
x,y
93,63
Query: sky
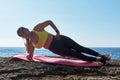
x,y
91,23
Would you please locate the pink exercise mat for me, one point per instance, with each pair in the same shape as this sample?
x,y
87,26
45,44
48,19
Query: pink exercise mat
x,y
54,60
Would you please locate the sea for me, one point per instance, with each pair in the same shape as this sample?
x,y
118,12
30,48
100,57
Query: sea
x,y
12,51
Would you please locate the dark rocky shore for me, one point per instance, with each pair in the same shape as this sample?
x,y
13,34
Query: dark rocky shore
x,y
21,70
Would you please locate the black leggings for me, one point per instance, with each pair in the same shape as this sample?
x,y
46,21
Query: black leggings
x,y
67,47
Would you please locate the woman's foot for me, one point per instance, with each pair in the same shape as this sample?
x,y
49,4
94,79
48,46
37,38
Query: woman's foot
x,y
102,60
106,57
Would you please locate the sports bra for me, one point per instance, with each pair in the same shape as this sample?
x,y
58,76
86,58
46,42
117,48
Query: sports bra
x,y
42,35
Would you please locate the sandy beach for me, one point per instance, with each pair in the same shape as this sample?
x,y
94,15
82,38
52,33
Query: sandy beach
x,y
21,70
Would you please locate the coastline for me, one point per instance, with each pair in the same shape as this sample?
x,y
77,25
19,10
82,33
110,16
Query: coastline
x,y
21,70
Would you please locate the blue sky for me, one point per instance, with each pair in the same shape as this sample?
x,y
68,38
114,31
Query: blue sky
x,y
91,23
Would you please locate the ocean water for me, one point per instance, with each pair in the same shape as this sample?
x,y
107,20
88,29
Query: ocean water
x,y
12,51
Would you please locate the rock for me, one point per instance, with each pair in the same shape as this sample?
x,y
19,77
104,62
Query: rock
x,y
21,70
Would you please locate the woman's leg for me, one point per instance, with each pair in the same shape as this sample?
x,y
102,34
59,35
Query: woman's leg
x,y
78,55
61,47
80,48
73,45
67,47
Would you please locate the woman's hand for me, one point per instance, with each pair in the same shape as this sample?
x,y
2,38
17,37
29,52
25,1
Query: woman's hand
x,y
29,57
29,49
57,35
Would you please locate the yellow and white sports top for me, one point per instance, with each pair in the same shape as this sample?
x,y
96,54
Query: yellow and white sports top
x,y
42,35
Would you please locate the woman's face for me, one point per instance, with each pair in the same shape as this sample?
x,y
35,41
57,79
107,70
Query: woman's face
x,y
24,33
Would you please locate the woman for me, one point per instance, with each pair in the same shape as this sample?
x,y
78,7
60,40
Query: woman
x,y
58,44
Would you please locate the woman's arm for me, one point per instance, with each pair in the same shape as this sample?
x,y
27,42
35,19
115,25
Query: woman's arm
x,y
29,49
42,25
